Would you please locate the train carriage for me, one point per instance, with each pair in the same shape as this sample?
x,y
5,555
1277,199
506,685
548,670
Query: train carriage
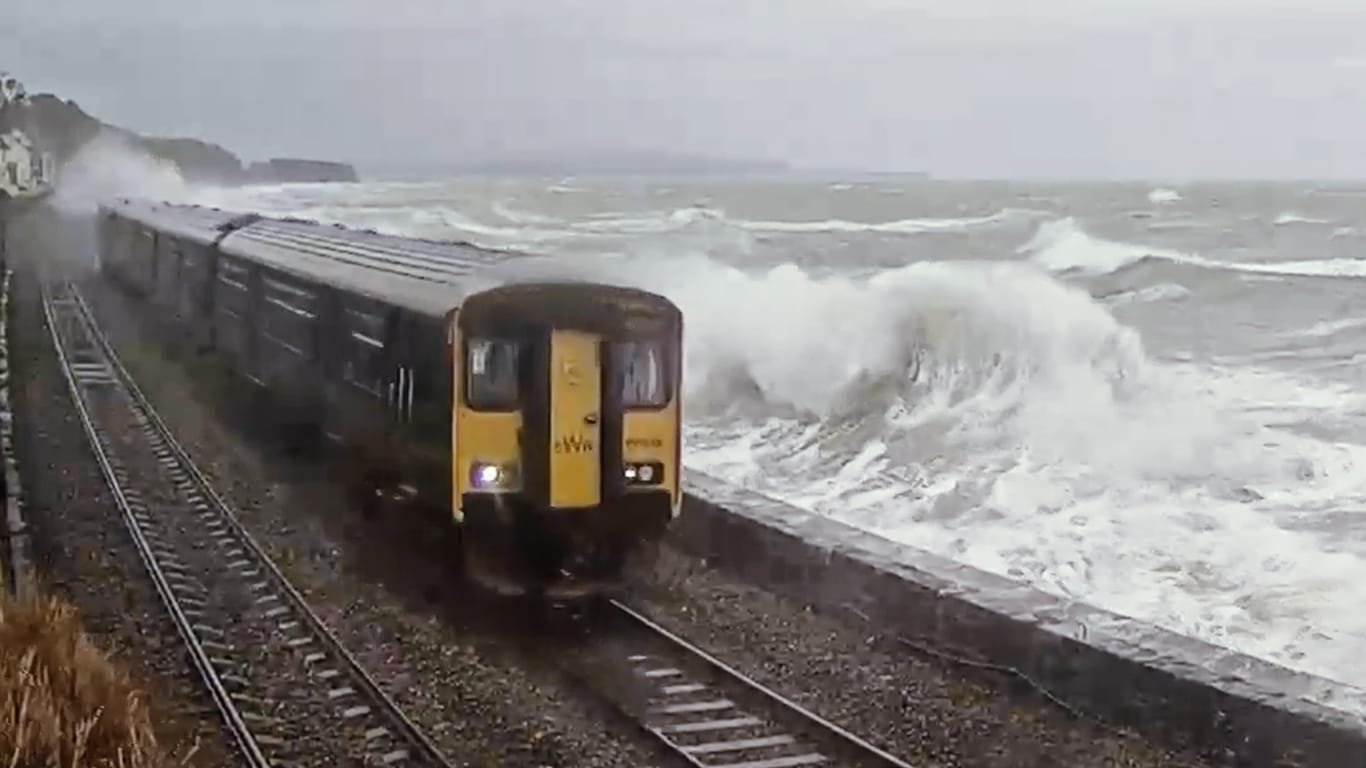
x,y
540,418
169,262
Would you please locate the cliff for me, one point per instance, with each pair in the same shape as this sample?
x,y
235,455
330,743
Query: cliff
x,y
63,128
199,161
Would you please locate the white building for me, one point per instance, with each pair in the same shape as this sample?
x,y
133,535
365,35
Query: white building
x,y
25,170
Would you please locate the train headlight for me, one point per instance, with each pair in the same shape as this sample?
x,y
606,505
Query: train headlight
x,y
491,477
647,473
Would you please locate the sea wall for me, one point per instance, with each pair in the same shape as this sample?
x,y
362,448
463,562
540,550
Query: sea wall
x,y
1174,688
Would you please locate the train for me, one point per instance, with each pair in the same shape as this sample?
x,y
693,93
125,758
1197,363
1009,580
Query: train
x,y
539,419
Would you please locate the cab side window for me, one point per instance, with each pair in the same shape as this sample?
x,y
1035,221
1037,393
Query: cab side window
x,y
642,373
491,374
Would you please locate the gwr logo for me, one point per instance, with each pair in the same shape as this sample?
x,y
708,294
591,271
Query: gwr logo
x,y
574,444
570,368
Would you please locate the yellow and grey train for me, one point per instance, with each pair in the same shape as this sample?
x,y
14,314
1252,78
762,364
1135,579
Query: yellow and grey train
x,y
542,419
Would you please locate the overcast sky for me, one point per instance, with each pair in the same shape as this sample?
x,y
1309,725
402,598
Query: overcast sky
x,y
986,88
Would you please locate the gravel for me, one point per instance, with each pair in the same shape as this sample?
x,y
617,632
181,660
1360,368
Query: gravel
x,y
482,699
283,701
82,551
476,695
925,709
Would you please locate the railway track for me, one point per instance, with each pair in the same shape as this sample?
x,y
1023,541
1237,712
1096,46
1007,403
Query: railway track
x,y
705,713
288,692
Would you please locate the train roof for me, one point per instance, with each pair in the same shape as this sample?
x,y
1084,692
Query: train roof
x,y
190,222
594,307
428,276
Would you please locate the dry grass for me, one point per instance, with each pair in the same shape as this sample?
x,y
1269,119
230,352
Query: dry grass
x,y
63,703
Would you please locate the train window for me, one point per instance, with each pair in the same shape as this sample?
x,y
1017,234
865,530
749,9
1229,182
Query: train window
x,y
232,294
288,317
431,385
366,360
642,373
491,374
364,364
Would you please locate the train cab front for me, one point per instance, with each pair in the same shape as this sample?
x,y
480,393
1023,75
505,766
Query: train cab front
x,y
566,435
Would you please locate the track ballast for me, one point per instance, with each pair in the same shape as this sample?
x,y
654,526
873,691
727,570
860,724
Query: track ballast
x,y
702,711
287,690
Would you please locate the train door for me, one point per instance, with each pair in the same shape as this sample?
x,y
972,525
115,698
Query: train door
x,y
575,430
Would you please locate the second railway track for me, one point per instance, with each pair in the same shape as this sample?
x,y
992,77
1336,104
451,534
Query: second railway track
x,y
705,713
288,692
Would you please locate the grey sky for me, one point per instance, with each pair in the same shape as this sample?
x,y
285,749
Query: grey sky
x,y
959,87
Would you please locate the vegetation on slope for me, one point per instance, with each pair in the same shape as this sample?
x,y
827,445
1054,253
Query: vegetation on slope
x,y
63,702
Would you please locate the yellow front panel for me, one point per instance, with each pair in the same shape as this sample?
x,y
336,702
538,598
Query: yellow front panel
x,y
575,420
478,436
486,438
653,436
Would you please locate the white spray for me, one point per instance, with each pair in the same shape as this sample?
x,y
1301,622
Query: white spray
x,y
111,166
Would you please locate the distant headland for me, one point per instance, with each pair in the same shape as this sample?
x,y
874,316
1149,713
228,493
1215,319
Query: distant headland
x,y
62,127
615,162
620,162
